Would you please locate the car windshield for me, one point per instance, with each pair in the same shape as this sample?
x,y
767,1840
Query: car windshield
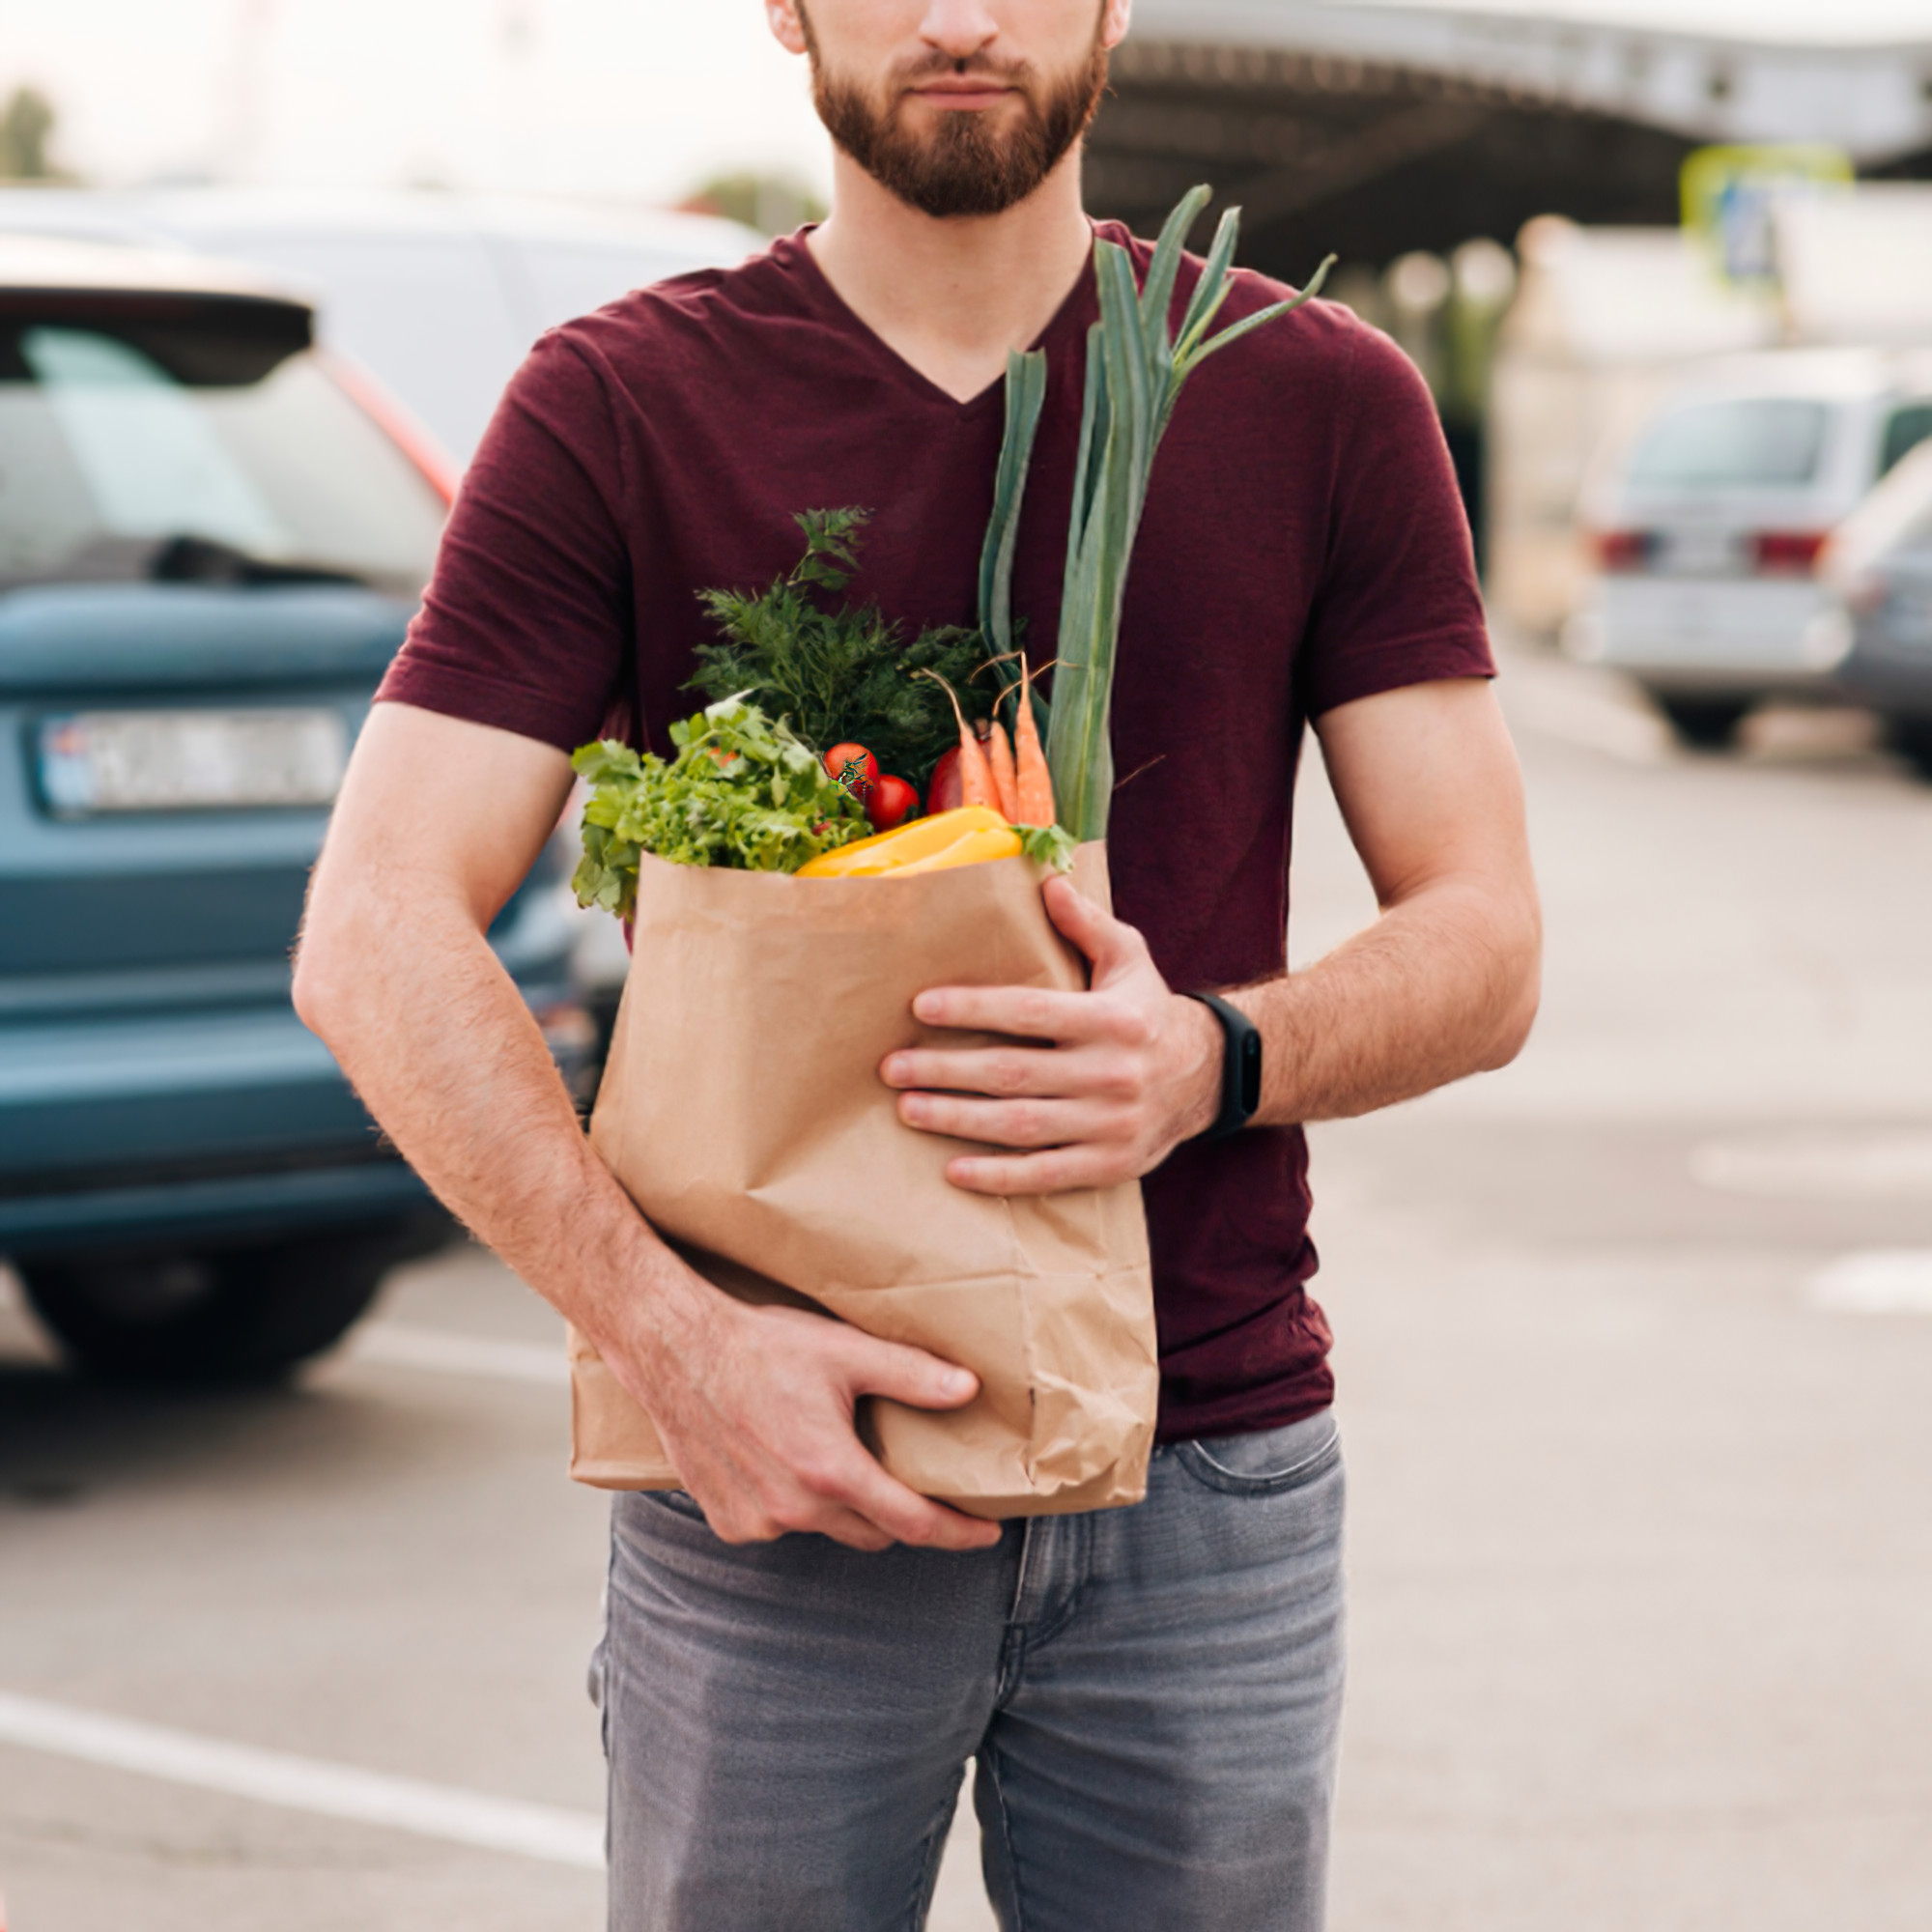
x,y
126,459
1750,443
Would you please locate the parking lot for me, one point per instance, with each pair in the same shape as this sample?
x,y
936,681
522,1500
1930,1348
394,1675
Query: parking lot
x,y
1635,1341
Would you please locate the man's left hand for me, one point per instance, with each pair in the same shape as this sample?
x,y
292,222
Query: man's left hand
x,y
1123,1074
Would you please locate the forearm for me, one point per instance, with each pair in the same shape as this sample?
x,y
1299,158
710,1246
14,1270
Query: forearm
x,y
1444,985
439,1044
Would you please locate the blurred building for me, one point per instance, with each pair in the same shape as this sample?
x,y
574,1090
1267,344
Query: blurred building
x,y
1373,130
1413,140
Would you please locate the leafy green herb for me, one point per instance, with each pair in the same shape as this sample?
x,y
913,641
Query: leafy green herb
x,y
1049,844
742,792
1135,371
846,675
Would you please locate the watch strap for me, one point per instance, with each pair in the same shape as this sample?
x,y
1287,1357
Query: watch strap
x,y
1240,1068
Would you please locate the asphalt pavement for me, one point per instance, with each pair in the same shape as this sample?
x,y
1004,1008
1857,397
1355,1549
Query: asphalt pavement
x,y
1635,1351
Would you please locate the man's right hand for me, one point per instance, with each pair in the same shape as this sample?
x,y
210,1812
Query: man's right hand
x,y
756,1408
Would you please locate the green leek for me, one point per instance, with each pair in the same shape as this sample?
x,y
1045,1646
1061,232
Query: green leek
x,y
1136,368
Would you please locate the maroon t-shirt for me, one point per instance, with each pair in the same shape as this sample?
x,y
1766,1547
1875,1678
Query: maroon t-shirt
x,y
1303,546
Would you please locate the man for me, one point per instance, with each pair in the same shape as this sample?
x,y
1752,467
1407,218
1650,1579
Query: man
x,y
800,1653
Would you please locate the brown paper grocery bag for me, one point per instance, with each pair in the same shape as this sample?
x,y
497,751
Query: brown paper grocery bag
x,y
743,1111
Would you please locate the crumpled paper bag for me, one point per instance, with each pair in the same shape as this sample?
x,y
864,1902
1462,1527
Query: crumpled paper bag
x,y
742,1110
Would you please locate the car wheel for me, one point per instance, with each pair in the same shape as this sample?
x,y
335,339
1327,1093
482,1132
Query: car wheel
x,y
1708,723
234,1317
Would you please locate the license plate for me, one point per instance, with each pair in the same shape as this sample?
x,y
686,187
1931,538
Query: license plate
x,y
110,761
1701,554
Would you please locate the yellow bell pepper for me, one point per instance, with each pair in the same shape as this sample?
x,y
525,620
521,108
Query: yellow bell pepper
x,y
971,836
970,848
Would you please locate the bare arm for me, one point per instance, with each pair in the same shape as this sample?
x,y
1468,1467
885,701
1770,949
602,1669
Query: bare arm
x,y
1445,982
1443,985
438,824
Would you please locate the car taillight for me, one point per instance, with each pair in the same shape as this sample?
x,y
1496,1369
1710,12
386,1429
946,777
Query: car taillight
x,y
1787,552
1624,550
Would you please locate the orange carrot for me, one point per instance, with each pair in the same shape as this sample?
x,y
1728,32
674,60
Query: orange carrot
x,y
999,757
1035,783
976,775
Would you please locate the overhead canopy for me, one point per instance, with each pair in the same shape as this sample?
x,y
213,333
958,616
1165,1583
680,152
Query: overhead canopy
x,y
1373,129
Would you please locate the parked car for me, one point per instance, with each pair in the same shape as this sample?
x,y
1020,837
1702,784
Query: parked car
x,y
209,549
438,295
1879,565
1707,533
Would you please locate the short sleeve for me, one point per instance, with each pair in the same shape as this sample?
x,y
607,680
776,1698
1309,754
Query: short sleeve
x,y
527,624
1397,602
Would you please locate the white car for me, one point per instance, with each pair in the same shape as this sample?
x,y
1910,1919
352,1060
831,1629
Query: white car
x,y
1707,529
439,295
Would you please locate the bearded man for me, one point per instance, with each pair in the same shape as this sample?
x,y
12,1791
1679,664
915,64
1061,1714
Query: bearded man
x,y
800,1654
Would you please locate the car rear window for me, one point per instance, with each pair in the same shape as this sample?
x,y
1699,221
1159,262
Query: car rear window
x,y
128,454
1749,442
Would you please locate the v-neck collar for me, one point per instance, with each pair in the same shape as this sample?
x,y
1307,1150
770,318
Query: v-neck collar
x,y
793,252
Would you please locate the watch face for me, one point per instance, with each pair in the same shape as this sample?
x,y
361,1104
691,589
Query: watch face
x,y
1249,1052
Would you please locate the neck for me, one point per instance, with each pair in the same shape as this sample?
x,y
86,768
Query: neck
x,y
953,296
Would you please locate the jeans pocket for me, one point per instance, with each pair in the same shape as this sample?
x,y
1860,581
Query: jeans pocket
x,y
1270,1463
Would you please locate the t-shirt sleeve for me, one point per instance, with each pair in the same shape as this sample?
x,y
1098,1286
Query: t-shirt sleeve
x,y
1397,602
527,622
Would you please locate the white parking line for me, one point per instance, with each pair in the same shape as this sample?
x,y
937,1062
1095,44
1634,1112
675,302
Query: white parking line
x,y
1875,1281
443,1352
307,1784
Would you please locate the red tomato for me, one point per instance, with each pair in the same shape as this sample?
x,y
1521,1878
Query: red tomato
x,y
855,768
948,791
892,802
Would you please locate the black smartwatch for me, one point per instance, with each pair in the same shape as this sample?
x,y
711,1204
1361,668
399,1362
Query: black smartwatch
x,y
1240,1068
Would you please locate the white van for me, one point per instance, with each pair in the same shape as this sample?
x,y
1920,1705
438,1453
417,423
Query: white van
x,y
1706,528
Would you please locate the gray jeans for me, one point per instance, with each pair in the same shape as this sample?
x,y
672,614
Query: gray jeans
x,y
1152,1696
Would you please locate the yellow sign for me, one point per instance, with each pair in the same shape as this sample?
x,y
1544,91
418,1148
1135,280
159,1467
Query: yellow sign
x,y
1730,193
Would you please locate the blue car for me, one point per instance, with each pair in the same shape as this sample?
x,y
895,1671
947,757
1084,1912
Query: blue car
x,y
211,541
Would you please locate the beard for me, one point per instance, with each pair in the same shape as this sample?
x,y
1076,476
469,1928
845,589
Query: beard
x,y
963,167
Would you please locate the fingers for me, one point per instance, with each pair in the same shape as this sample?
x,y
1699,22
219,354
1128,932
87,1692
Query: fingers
x,y
1018,1123
1100,1070
892,1369
1061,1170
907,1517
1032,1012
841,1492
769,1447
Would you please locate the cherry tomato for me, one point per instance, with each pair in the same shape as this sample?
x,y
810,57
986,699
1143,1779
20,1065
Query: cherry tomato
x,y
855,768
892,802
948,791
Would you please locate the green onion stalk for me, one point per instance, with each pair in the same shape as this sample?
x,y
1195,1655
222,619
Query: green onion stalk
x,y
1136,367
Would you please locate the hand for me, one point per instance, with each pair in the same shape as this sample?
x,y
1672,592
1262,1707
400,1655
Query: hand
x,y
1127,1071
756,1408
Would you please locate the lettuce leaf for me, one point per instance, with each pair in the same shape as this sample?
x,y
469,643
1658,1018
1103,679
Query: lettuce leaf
x,y
743,792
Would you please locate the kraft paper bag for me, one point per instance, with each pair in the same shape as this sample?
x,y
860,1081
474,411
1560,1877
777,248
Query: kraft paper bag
x,y
743,1112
